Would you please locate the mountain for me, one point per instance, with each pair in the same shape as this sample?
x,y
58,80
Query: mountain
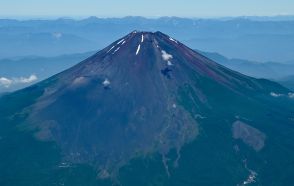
x,y
243,37
147,110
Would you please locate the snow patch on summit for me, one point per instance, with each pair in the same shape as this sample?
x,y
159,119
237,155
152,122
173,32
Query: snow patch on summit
x,y
120,41
110,49
138,50
116,50
173,40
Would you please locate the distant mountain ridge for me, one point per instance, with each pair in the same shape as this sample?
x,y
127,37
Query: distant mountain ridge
x,y
243,38
268,70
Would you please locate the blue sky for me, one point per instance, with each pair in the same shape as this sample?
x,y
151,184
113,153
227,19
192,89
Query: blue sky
x,y
148,8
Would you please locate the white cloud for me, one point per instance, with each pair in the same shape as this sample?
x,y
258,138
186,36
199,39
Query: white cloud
x,y
275,94
166,56
291,95
106,82
7,82
174,105
30,79
57,35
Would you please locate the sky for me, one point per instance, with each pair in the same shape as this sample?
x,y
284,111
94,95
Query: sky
x,y
146,8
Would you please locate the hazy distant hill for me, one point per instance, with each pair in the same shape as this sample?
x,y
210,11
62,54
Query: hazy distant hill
x,y
263,39
269,70
287,82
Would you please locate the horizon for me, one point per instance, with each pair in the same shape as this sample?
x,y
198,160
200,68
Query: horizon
x,y
152,8
24,18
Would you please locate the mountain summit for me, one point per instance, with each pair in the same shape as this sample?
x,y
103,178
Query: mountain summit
x,y
147,110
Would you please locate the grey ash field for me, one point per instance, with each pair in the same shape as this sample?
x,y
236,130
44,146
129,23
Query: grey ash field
x,y
148,110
